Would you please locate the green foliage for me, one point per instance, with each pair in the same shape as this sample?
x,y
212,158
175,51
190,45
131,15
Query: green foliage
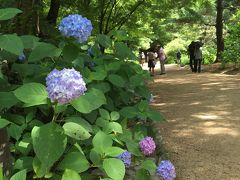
x,y
68,141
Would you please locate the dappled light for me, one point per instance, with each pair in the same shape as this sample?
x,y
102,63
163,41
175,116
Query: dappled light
x,y
203,124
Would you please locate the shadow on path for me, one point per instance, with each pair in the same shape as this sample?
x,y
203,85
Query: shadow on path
x,y
202,134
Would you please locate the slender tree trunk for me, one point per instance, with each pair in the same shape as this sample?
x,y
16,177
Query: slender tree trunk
x,y
53,12
5,158
219,29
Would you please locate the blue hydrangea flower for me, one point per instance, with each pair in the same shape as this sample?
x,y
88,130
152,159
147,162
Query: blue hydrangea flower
x,y
147,146
65,85
21,57
76,26
126,158
166,170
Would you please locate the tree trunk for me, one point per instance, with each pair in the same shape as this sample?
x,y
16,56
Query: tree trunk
x,y
53,12
5,158
219,30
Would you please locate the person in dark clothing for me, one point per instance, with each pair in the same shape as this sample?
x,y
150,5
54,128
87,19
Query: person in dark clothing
x,y
151,62
191,49
198,59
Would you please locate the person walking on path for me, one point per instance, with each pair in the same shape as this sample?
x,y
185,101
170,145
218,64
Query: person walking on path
x,y
162,58
197,59
151,62
141,58
191,49
179,55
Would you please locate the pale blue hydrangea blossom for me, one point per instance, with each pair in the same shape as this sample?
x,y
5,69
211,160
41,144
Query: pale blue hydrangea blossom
x,y
151,99
166,170
76,26
147,146
126,158
21,57
65,85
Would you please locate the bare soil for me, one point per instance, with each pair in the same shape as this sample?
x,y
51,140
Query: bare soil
x,y
202,132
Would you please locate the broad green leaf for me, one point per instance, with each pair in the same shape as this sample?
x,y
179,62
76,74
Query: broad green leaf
x,y
133,147
24,163
114,116
80,121
143,106
116,80
24,146
104,114
75,161
114,168
136,80
43,50
98,75
102,86
95,157
92,100
4,123
142,174
155,116
114,66
104,40
8,13
129,112
15,131
76,131
32,94
49,142
101,141
21,175
113,127
149,165
7,99
29,41
39,169
124,52
70,52
70,175
113,151
11,43
1,172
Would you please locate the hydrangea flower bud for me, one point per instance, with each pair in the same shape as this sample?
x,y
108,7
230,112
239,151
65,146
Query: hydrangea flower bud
x,y
21,57
76,26
147,146
126,158
65,85
166,170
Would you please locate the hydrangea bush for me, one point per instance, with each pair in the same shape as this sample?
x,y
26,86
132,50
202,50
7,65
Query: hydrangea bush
x,y
66,120
166,170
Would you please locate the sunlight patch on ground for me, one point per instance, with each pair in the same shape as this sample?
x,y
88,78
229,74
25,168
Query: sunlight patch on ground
x,y
219,130
206,117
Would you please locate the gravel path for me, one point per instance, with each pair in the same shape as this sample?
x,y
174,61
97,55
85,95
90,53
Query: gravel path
x,y
202,132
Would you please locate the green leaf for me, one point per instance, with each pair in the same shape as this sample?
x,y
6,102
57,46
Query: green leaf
x,y
7,99
129,112
149,165
143,106
70,52
32,94
8,13
39,168
76,131
21,175
115,116
155,116
104,114
113,151
98,75
4,123
24,146
95,157
29,41
113,127
133,147
136,80
92,100
114,168
24,163
43,50
142,174
75,161
70,175
49,142
11,43
104,40
15,131
101,141
124,52
116,80
114,66
102,86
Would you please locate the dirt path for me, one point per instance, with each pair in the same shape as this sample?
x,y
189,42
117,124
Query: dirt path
x,y
202,134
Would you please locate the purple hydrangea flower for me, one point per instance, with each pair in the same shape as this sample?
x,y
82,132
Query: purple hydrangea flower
x,y
166,170
126,158
65,85
76,26
147,146
21,57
